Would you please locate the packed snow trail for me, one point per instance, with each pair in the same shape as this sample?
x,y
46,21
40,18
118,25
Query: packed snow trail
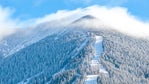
x,y
78,49
94,63
91,79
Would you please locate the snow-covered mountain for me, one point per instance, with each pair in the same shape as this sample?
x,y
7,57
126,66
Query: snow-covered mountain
x,y
25,37
77,53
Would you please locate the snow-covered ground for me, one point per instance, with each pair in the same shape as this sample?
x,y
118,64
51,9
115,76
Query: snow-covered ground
x,y
91,79
102,70
98,46
94,63
99,49
76,50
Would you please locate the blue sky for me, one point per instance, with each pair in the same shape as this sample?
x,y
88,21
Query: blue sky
x,y
26,9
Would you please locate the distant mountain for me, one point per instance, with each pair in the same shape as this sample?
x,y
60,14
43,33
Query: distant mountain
x,y
73,55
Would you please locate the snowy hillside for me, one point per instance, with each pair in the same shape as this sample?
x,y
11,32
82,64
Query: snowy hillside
x,y
95,66
23,38
73,54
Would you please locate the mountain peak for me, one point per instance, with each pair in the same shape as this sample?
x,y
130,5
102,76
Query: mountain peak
x,y
86,17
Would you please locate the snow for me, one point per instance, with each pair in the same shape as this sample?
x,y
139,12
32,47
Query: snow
x,y
23,38
73,53
94,63
98,39
28,79
99,49
76,50
61,33
98,46
83,44
91,79
102,70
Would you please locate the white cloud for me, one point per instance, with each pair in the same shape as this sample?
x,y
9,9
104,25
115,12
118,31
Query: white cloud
x,y
120,19
117,18
7,25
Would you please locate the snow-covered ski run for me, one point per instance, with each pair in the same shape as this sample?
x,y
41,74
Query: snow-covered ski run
x,y
94,63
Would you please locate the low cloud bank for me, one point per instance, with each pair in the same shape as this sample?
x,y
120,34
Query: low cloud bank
x,y
117,18
6,24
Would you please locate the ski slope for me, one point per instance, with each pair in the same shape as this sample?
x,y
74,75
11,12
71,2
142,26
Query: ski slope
x,y
94,63
91,79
